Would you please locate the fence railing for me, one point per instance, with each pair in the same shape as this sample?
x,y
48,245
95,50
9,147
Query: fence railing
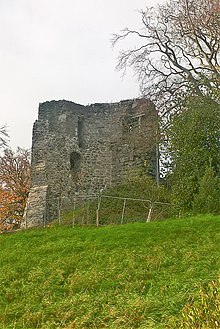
x,y
103,209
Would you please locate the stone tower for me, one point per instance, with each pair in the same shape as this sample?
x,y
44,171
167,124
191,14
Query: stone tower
x,y
79,150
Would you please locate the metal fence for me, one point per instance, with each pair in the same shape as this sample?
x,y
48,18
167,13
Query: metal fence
x,y
102,210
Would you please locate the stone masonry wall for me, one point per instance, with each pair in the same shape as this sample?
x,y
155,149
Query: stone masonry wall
x,y
79,150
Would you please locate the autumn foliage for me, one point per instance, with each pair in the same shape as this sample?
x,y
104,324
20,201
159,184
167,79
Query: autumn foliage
x,y
14,187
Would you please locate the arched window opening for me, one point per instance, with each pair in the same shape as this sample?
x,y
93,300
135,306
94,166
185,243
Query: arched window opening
x,y
74,162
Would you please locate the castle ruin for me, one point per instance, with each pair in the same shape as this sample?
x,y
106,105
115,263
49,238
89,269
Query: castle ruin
x,y
80,150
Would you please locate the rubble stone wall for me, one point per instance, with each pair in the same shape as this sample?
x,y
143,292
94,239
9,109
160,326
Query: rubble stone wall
x,y
79,150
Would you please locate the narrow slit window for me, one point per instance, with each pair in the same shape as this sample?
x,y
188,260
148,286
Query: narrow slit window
x,y
80,132
74,162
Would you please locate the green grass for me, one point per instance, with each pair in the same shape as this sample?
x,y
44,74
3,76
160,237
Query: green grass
x,y
130,276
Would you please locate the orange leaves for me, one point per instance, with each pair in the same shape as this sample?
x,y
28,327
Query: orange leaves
x,y
14,187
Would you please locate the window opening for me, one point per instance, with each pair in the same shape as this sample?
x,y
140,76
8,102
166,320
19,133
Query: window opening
x,y
134,123
80,132
74,162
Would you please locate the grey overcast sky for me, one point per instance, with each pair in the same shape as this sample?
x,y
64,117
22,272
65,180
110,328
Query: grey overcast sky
x,y
60,49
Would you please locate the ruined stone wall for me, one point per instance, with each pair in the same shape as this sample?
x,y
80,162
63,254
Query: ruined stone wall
x,y
79,150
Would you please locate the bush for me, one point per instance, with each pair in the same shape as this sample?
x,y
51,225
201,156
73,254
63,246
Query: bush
x,y
208,198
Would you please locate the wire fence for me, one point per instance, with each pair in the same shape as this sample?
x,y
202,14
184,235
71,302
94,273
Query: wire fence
x,y
100,210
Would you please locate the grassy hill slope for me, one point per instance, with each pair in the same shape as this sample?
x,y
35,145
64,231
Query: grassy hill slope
x,y
130,276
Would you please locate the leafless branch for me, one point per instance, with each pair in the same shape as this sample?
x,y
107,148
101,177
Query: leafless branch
x,y
178,52
3,136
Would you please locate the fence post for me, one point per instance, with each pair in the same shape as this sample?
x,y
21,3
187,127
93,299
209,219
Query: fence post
x,y
123,211
59,210
97,211
74,208
87,214
149,213
44,218
25,215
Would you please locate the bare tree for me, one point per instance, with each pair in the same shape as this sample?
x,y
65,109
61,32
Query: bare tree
x,y
178,51
3,136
